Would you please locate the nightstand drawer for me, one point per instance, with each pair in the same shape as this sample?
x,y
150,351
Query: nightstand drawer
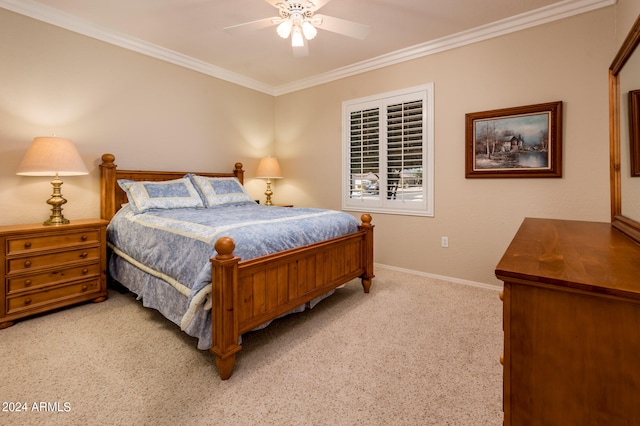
x,y
55,240
51,278
24,264
58,294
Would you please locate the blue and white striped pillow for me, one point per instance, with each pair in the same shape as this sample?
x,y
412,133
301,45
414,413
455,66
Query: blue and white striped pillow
x,y
220,191
170,194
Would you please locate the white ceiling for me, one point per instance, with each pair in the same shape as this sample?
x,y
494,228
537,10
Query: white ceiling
x,y
191,32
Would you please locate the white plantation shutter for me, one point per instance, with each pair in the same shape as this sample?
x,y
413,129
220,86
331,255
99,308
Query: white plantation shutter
x,y
404,144
388,145
364,143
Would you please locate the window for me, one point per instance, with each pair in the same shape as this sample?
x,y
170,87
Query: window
x,y
388,152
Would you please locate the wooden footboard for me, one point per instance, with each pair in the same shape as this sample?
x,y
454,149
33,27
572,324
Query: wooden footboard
x,y
249,293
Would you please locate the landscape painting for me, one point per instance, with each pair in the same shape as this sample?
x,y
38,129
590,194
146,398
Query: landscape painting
x,y
515,142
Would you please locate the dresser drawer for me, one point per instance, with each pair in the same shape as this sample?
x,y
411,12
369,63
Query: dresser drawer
x,y
20,244
51,278
27,263
28,301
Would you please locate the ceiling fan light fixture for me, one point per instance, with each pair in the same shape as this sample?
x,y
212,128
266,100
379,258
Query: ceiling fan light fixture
x,y
296,37
309,30
297,19
284,29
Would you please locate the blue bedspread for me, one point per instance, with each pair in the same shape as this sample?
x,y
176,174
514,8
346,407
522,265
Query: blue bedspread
x,y
176,245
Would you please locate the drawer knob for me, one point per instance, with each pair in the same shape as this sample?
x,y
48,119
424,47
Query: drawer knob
x,y
85,271
84,254
27,244
27,301
27,283
84,288
27,263
84,238
501,295
502,359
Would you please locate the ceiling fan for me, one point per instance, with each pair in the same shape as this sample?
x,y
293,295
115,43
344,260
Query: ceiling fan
x,y
299,20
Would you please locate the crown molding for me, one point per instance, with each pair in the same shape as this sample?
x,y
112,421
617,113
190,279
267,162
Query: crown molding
x,y
513,24
69,22
541,16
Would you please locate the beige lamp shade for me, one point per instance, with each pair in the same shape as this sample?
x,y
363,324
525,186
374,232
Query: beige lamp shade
x,y
269,168
48,156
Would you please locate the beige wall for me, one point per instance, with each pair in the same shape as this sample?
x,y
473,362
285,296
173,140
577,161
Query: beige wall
x,y
627,12
149,113
108,99
565,60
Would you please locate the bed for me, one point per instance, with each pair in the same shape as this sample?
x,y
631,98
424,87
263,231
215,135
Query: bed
x,y
243,288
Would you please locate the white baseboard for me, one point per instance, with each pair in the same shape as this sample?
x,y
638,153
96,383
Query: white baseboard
x,y
440,277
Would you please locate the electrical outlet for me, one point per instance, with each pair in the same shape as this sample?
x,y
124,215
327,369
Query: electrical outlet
x,y
445,242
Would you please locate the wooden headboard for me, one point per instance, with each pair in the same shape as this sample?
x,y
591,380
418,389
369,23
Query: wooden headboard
x,y
112,197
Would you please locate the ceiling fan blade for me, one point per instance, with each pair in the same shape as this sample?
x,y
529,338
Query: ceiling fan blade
x,y
342,26
319,3
253,25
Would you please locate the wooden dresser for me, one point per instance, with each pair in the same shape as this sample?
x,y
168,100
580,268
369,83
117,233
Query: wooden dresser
x,y
48,267
571,325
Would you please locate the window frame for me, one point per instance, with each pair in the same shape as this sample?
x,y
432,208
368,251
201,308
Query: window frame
x,y
425,207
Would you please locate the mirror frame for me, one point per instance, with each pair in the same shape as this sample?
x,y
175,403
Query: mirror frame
x,y
626,225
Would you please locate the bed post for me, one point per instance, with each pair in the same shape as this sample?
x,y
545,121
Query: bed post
x,y
368,251
239,172
224,312
107,186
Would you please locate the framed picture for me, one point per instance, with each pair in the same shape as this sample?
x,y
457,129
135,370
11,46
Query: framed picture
x,y
515,142
634,131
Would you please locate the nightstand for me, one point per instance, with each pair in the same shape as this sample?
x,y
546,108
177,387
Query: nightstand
x,y
48,267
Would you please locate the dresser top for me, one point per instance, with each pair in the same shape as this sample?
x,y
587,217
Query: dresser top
x,y
39,227
589,256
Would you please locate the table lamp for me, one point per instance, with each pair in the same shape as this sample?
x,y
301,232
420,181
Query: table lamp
x,y
268,168
52,156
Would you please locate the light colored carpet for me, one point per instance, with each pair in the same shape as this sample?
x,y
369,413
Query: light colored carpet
x,y
415,351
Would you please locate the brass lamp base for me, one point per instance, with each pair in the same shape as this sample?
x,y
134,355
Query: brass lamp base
x,y
56,201
268,193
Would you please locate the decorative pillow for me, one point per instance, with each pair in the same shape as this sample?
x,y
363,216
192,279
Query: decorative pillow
x,y
219,191
169,194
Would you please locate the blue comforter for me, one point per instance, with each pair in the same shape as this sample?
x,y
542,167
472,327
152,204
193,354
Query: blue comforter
x,y
176,245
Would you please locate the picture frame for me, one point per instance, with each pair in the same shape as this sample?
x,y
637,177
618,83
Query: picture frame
x,y
518,142
634,131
